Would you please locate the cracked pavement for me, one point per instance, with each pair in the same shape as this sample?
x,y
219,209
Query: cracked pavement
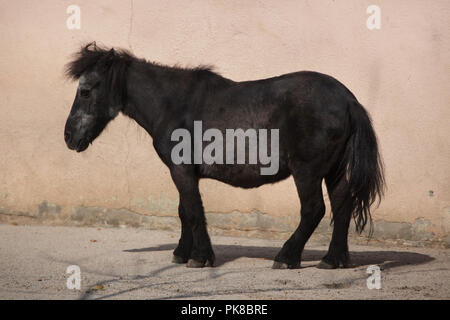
x,y
126,263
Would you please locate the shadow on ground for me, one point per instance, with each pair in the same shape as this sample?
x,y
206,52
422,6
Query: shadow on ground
x,y
228,253
384,259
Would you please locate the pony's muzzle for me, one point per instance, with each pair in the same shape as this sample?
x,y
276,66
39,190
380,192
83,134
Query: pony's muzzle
x,y
67,137
72,143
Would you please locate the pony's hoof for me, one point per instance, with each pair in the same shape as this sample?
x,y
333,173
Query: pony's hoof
x,y
197,264
179,260
283,265
325,265
340,264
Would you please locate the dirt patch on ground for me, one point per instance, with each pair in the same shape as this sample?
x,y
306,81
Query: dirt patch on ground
x,y
127,263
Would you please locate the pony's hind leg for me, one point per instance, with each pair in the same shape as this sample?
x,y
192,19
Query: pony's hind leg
x,y
341,206
309,188
182,252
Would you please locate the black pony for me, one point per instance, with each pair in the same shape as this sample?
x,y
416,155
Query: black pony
x,y
324,133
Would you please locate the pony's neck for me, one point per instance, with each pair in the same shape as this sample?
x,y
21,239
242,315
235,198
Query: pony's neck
x,y
145,94
155,92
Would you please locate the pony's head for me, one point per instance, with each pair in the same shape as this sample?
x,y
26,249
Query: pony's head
x,y
100,96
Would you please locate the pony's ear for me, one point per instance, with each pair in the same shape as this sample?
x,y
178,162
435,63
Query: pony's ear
x,y
107,60
111,53
90,47
109,57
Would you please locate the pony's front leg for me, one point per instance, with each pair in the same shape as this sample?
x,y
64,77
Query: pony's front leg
x,y
201,252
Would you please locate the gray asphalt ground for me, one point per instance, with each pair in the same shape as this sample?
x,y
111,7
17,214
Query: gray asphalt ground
x,y
136,264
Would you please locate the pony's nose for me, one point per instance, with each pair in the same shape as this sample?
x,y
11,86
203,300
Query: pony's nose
x,y
67,136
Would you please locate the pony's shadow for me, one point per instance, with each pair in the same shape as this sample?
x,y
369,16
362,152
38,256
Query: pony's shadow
x,y
384,259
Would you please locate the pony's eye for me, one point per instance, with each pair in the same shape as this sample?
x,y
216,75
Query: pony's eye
x,y
85,93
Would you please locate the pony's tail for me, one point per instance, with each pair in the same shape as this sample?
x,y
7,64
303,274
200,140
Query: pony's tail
x,y
363,166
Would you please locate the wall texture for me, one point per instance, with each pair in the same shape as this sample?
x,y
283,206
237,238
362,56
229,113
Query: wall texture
x,y
400,73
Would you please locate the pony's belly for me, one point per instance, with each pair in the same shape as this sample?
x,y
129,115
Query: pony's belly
x,y
244,176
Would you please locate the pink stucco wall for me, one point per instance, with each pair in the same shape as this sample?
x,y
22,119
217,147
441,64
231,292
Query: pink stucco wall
x,y
400,73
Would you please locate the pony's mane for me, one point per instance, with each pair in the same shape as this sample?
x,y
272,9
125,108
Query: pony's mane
x,y
113,64
92,55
